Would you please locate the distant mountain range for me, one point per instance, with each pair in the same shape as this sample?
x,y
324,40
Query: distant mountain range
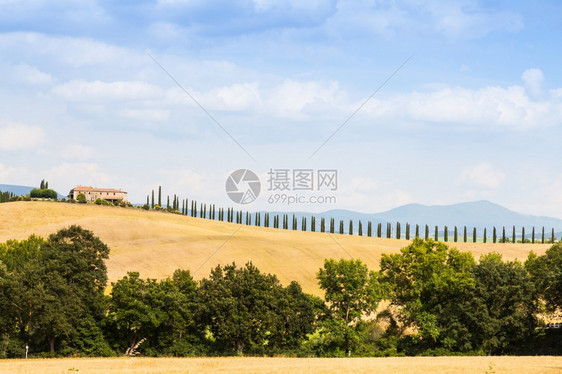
x,y
479,214
20,190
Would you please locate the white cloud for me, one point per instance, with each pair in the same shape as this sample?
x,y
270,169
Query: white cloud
x,y
483,175
155,115
18,136
533,80
31,74
77,152
80,90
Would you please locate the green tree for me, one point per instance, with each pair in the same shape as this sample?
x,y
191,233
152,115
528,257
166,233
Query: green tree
x,y
546,273
238,307
502,307
427,281
351,291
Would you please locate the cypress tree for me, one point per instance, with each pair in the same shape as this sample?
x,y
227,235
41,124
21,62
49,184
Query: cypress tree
x,y
398,233
474,235
379,230
323,224
407,231
503,235
436,233
494,237
456,237
332,225
42,185
312,224
303,223
360,228
168,202
552,237
446,234
152,205
484,235
417,230
523,235
533,235
388,230
341,226
369,228
46,185
294,222
426,232
160,196
465,235
514,237
542,238
350,227
147,201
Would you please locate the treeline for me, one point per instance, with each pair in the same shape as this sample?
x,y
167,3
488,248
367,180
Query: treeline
x,y
6,196
313,224
440,301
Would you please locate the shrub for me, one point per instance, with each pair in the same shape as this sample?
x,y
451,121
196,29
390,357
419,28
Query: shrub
x,y
81,198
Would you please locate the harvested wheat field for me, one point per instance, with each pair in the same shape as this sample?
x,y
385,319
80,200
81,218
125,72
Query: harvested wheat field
x,y
157,243
413,365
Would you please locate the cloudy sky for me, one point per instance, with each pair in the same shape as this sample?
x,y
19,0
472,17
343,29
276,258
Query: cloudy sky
x,y
92,93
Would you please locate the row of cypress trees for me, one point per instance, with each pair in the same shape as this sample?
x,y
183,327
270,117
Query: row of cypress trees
x,y
285,221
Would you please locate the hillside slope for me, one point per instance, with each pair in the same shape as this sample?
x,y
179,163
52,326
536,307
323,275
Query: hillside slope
x,y
156,243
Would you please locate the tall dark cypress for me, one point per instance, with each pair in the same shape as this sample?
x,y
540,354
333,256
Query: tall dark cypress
x,y
398,233
446,234
147,201
465,235
379,230
303,223
407,231
417,230
312,224
332,225
533,235
503,235
552,237
295,224
456,235
474,235
341,226
436,233
322,224
388,230
168,202
514,237
152,205
160,196
523,234
360,228
494,236
426,232
542,237
350,227
369,228
484,235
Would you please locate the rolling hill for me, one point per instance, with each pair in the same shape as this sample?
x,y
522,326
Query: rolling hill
x,y
157,243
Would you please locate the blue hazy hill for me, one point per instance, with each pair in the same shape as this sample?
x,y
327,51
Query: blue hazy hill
x,y
20,190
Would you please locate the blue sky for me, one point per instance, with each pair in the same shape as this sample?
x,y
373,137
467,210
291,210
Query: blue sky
x,y
474,114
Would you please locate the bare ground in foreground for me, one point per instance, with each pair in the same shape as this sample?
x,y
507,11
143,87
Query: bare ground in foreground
x,y
413,365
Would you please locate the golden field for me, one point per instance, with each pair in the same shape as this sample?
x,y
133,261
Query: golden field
x,y
249,365
157,243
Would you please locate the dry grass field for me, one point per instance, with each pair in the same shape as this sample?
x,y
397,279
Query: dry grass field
x,y
157,243
248,365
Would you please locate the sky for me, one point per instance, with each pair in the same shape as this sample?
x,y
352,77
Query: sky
x,y
435,102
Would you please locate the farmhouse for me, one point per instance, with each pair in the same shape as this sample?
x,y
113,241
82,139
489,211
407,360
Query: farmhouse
x,y
92,194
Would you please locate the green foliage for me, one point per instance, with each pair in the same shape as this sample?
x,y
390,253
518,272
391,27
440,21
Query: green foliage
x,y
351,291
546,273
427,281
81,198
44,193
